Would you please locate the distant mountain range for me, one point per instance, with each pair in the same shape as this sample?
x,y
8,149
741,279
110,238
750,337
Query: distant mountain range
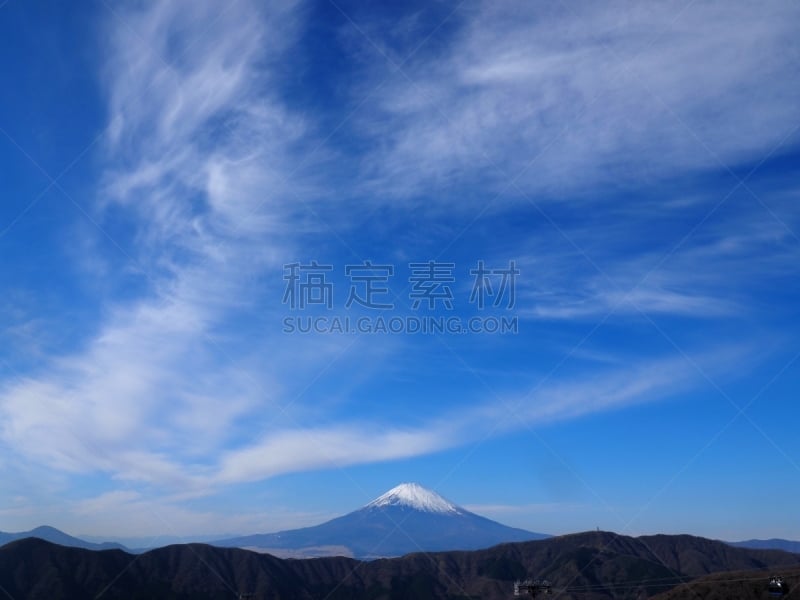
x,y
586,566
51,534
407,518
771,544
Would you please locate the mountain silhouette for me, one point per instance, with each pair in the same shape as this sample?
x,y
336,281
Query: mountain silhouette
x,y
736,585
770,544
586,566
407,518
51,534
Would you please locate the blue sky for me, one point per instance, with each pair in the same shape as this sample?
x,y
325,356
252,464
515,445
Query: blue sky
x,y
162,163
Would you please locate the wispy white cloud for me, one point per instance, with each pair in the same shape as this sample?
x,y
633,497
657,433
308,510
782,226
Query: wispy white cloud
x,y
621,266
199,147
586,94
329,447
195,154
608,389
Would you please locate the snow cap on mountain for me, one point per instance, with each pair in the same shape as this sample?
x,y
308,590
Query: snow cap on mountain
x,y
415,496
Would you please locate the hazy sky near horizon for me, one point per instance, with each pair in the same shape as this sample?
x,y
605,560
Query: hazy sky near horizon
x,y
617,181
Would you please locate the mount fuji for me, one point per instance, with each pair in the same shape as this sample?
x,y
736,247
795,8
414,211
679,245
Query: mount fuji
x,y
407,518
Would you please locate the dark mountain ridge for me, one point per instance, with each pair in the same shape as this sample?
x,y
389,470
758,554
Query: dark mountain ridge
x,y
736,585
588,566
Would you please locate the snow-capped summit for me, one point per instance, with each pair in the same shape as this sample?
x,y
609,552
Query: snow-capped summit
x,y
407,518
417,497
